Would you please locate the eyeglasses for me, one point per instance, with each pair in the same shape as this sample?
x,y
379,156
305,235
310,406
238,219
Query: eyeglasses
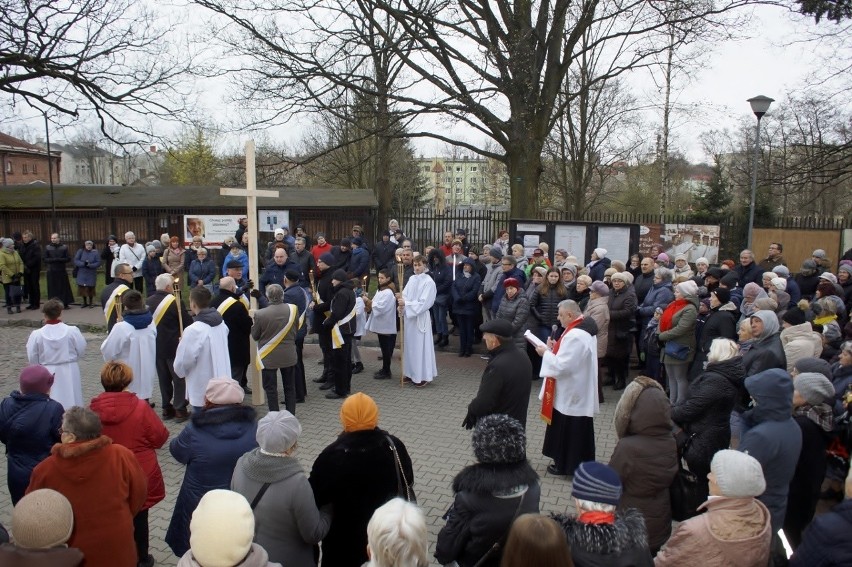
x,y
125,273
505,263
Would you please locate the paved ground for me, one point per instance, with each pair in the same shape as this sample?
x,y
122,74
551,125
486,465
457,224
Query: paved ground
x,y
428,421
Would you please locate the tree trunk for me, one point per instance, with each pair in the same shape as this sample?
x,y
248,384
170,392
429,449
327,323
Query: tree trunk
x,y
523,162
664,157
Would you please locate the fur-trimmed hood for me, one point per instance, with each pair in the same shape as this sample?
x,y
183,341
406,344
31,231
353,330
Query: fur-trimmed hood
x,y
627,533
494,478
73,450
651,417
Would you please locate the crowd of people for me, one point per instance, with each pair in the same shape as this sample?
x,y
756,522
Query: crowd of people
x,y
744,373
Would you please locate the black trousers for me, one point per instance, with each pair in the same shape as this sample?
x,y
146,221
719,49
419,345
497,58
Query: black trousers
x,y
324,338
32,288
238,373
139,284
386,344
172,387
270,386
140,534
341,364
301,385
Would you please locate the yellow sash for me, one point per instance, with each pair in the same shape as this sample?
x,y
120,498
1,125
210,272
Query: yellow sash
x,y
161,309
110,304
336,335
263,352
231,301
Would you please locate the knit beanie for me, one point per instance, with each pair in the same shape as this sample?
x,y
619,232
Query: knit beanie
x,y
569,266
150,248
809,265
498,438
540,270
738,475
596,482
794,316
609,272
779,283
688,288
359,413
339,275
730,280
814,387
277,432
600,252
495,253
662,257
702,260
35,379
224,391
42,519
680,257
845,268
766,303
715,273
600,288
327,258
622,276
828,276
814,364
818,253
347,242
782,271
292,275
222,529
722,294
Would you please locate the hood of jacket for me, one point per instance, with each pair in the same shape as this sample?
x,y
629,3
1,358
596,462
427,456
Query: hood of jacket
x,y
772,391
343,285
209,316
732,369
770,324
626,533
435,257
114,407
644,409
482,478
230,421
139,320
729,306
798,332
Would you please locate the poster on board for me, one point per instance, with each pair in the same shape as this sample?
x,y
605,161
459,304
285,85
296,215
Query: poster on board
x,y
694,240
213,229
529,235
571,237
616,241
268,221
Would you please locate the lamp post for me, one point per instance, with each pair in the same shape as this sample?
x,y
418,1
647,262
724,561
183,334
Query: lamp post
x,y
53,226
759,105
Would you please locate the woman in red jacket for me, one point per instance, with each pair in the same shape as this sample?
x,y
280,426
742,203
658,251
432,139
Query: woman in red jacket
x,y
130,421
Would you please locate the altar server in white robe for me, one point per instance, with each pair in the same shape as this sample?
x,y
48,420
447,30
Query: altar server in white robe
x,y
569,393
382,320
58,347
416,299
133,341
203,351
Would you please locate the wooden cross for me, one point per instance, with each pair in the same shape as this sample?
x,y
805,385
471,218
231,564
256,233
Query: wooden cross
x,y
251,194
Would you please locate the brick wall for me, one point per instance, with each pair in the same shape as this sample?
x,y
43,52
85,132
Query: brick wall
x,y
24,168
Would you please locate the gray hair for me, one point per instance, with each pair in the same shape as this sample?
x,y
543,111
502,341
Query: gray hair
x,y
570,306
749,252
300,239
397,535
664,274
510,258
83,423
722,349
129,234
164,282
590,506
275,294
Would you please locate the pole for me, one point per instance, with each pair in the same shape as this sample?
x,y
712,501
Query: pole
x,y
179,305
50,177
753,182
400,276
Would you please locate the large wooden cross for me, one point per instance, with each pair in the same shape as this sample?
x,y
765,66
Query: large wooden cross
x,y
251,194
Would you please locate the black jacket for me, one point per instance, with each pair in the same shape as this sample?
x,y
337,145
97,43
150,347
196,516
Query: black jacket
x,y
384,255
622,544
807,481
720,323
505,385
706,412
31,256
487,496
105,295
342,303
545,308
239,322
355,474
168,329
305,262
643,284
827,540
56,256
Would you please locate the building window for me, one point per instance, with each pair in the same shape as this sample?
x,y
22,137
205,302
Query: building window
x,y
458,179
458,168
25,168
449,179
426,168
142,173
8,167
35,168
458,189
473,168
473,180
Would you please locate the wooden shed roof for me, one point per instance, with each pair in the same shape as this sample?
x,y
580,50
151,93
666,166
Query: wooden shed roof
x,y
37,196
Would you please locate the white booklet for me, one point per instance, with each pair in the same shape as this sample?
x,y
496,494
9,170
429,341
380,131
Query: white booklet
x,y
534,340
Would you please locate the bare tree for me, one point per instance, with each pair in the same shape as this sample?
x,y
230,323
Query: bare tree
x,y
78,56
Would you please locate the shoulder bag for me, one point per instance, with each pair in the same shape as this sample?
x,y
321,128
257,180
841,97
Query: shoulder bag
x,y
498,545
404,489
677,351
687,491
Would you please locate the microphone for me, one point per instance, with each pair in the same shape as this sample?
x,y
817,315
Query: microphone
x,y
554,332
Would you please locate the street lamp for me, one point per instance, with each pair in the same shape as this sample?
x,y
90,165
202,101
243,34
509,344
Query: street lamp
x,y
759,105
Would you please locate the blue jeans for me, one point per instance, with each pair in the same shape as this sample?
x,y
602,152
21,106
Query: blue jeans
x,y
439,314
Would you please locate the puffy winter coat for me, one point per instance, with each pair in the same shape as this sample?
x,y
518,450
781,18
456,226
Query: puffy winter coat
x,y
622,316
706,412
204,271
131,422
620,544
486,499
209,446
545,308
87,263
597,271
800,341
720,323
465,292
29,427
598,310
682,331
646,455
827,542
516,311
660,295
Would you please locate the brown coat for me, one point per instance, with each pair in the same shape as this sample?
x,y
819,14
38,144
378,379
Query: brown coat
x,y
598,310
734,531
106,488
174,261
268,322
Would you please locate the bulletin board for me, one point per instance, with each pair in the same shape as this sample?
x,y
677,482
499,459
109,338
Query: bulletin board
x,y
578,238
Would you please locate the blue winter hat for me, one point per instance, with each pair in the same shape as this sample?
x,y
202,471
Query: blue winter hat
x,y
596,482
327,258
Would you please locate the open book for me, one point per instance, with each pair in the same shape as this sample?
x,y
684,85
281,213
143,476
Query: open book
x,y
533,340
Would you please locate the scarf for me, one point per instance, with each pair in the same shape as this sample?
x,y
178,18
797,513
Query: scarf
x,y
669,313
820,414
597,518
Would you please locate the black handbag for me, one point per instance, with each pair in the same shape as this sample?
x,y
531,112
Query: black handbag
x,y
403,488
498,545
687,491
677,351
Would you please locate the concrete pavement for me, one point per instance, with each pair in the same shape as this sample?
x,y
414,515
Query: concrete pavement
x,y
427,420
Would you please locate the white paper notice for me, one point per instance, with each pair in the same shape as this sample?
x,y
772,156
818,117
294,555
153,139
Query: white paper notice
x,y
616,241
533,340
573,239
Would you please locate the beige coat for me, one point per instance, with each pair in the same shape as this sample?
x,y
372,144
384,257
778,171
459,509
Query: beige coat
x,y
734,531
598,310
267,323
800,341
174,261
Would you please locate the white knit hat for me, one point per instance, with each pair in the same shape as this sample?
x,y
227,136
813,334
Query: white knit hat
x,y
222,529
779,284
702,260
43,519
689,287
601,252
738,475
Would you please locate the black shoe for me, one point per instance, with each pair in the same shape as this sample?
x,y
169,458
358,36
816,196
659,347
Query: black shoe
x,y
9,310
147,562
461,353
438,339
247,390
467,354
358,368
17,308
619,385
327,386
300,400
333,395
551,469
31,307
320,380
445,341
382,375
